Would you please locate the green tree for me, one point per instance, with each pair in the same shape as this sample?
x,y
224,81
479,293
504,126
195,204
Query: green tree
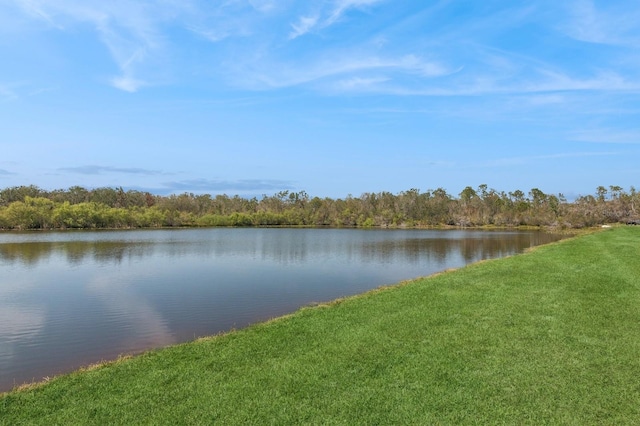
x,y
19,193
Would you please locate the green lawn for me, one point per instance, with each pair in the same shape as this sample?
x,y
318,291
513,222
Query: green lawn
x,y
547,337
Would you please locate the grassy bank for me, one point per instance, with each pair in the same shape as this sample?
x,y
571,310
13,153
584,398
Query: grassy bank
x,y
551,336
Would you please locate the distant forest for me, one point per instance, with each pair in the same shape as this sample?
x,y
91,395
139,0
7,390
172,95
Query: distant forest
x,y
30,207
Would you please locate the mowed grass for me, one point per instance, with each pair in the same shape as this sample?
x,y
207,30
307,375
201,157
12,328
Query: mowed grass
x,y
547,337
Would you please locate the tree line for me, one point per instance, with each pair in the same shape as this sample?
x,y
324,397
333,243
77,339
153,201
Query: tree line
x,y
30,207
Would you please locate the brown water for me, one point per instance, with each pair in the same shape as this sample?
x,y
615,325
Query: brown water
x,y
69,299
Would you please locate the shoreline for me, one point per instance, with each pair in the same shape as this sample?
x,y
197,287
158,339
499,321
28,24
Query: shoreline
x,y
311,305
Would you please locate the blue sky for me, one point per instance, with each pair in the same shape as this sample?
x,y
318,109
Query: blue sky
x,y
333,97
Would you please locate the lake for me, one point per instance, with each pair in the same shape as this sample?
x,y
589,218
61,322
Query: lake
x,y
69,299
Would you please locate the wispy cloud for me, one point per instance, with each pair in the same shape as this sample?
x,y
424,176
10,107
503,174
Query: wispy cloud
x,y
131,31
257,46
127,83
36,10
607,136
488,68
263,6
540,81
303,26
17,90
518,161
7,93
4,172
243,185
42,90
353,84
237,20
602,82
326,15
341,70
98,170
614,23
546,99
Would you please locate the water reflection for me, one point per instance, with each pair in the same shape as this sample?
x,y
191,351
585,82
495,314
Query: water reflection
x,y
144,322
18,323
470,245
68,299
74,252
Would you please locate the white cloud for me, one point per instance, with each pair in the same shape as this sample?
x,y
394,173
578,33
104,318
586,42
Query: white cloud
x,y
550,81
212,34
231,19
96,170
127,83
425,68
256,49
215,185
342,6
608,136
342,67
303,26
34,9
546,99
263,6
329,14
7,93
360,84
607,24
519,161
130,30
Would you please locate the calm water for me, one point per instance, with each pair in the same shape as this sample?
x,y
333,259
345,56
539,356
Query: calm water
x,y
69,299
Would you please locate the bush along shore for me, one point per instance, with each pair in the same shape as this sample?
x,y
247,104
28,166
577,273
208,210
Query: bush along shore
x,y
551,336
29,207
